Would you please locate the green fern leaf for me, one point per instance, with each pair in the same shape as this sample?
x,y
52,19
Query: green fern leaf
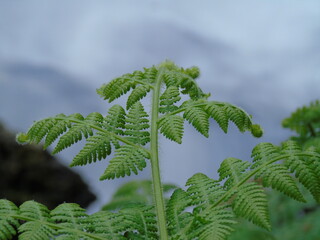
x,y
127,159
167,100
137,94
171,126
218,113
274,175
136,124
40,129
179,221
97,147
190,86
56,130
36,229
150,74
303,167
198,118
142,220
71,220
222,113
115,120
278,177
213,224
77,130
170,79
117,87
251,203
305,121
121,85
106,224
233,169
203,190
8,224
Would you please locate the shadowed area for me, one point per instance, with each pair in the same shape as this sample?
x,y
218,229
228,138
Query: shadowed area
x,y
29,173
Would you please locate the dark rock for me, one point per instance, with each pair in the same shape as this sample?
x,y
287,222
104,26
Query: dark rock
x,y
27,172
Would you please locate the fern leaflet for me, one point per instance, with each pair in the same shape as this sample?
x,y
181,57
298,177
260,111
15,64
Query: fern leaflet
x,y
167,100
35,229
171,126
198,118
127,159
115,120
78,130
179,221
142,219
138,93
137,124
121,85
8,224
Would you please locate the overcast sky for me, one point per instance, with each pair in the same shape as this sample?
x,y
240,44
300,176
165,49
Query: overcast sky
x,y
261,55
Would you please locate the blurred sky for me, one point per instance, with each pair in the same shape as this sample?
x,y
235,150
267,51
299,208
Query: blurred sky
x,y
263,56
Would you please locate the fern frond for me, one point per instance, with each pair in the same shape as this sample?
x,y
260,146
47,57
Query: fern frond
x,y
274,175
213,224
179,221
171,126
190,87
305,120
41,128
232,169
77,130
127,159
278,177
251,203
96,148
150,74
182,78
198,118
117,87
8,224
222,113
115,120
137,94
203,190
121,85
136,124
69,216
56,130
167,100
67,221
35,229
142,220
303,167
293,159
108,225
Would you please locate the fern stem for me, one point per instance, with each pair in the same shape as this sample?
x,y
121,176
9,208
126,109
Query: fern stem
x,y
157,188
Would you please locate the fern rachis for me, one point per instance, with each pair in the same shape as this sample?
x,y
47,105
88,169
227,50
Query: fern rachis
x,y
206,209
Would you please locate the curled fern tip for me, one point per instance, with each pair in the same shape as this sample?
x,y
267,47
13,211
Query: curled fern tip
x,y
256,130
22,138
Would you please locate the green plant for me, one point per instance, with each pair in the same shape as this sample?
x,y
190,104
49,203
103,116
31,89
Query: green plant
x,y
294,220
207,209
305,121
